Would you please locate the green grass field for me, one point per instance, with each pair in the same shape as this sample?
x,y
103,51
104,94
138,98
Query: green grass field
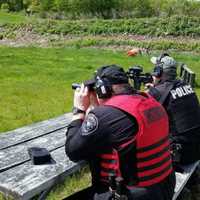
x,y
35,84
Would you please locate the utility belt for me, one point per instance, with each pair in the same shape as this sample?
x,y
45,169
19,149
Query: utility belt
x,y
117,188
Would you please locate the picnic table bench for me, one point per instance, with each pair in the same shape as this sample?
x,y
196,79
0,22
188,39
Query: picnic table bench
x,y
23,180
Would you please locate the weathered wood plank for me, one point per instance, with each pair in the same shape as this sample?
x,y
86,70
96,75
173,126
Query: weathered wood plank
x,y
18,154
33,131
182,178
27,180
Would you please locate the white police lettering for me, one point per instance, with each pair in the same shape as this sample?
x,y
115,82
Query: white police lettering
x,y
181,91
89,125
173,93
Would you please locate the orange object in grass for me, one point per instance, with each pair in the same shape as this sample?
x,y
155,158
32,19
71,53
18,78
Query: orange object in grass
x,y
133,52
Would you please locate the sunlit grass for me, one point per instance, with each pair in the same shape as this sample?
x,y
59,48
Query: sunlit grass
x,y
71,185
35,83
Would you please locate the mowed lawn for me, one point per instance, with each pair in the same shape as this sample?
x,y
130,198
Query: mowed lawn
x,y
35,83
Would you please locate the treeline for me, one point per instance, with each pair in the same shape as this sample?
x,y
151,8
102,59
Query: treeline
x,y
106,9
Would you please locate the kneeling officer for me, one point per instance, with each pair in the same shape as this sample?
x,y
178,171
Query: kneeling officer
x,y
124,136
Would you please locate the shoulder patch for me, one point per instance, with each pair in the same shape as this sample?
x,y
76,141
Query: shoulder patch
x,y
89,125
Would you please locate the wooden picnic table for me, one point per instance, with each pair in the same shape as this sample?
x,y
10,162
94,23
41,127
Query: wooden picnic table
x,y
18,176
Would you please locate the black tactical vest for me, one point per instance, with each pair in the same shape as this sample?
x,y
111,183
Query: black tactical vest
x,y
183,108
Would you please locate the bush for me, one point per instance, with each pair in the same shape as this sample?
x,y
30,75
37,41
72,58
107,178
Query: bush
x,y
172,26
5,7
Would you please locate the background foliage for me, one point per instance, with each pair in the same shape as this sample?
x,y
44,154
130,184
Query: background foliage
x,y
168,26
104,8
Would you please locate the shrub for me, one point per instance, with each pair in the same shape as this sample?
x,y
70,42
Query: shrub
x,y
5,7
172,26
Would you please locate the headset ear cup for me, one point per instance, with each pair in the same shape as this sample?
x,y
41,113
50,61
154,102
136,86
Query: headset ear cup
x,y
104,92
103,89
158,70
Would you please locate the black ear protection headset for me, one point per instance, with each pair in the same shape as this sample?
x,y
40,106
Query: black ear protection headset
x,y
103,88
158,69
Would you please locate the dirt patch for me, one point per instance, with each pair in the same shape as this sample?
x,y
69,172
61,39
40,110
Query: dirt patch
x,y
25,39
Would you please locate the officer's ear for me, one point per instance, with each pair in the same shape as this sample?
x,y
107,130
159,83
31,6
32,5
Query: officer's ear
x,y
115,89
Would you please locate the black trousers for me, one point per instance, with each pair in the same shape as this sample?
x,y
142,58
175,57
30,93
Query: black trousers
x,y
161,191
90,194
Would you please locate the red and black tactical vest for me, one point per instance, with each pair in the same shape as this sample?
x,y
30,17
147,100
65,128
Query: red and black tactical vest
x,y
152,145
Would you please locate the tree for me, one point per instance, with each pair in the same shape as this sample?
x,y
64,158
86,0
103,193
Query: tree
x,y
15,5
99,8
142,8
62,5
35,6
26,3
46,5
5,7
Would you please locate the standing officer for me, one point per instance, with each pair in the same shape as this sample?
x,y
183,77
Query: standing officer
x,y
182,106
125,136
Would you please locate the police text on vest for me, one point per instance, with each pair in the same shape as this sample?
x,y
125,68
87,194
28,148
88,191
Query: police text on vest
x,y
181,91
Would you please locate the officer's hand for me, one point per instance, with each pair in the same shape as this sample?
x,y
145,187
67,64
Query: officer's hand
x,y
82,98
93,102
93,99
148,85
